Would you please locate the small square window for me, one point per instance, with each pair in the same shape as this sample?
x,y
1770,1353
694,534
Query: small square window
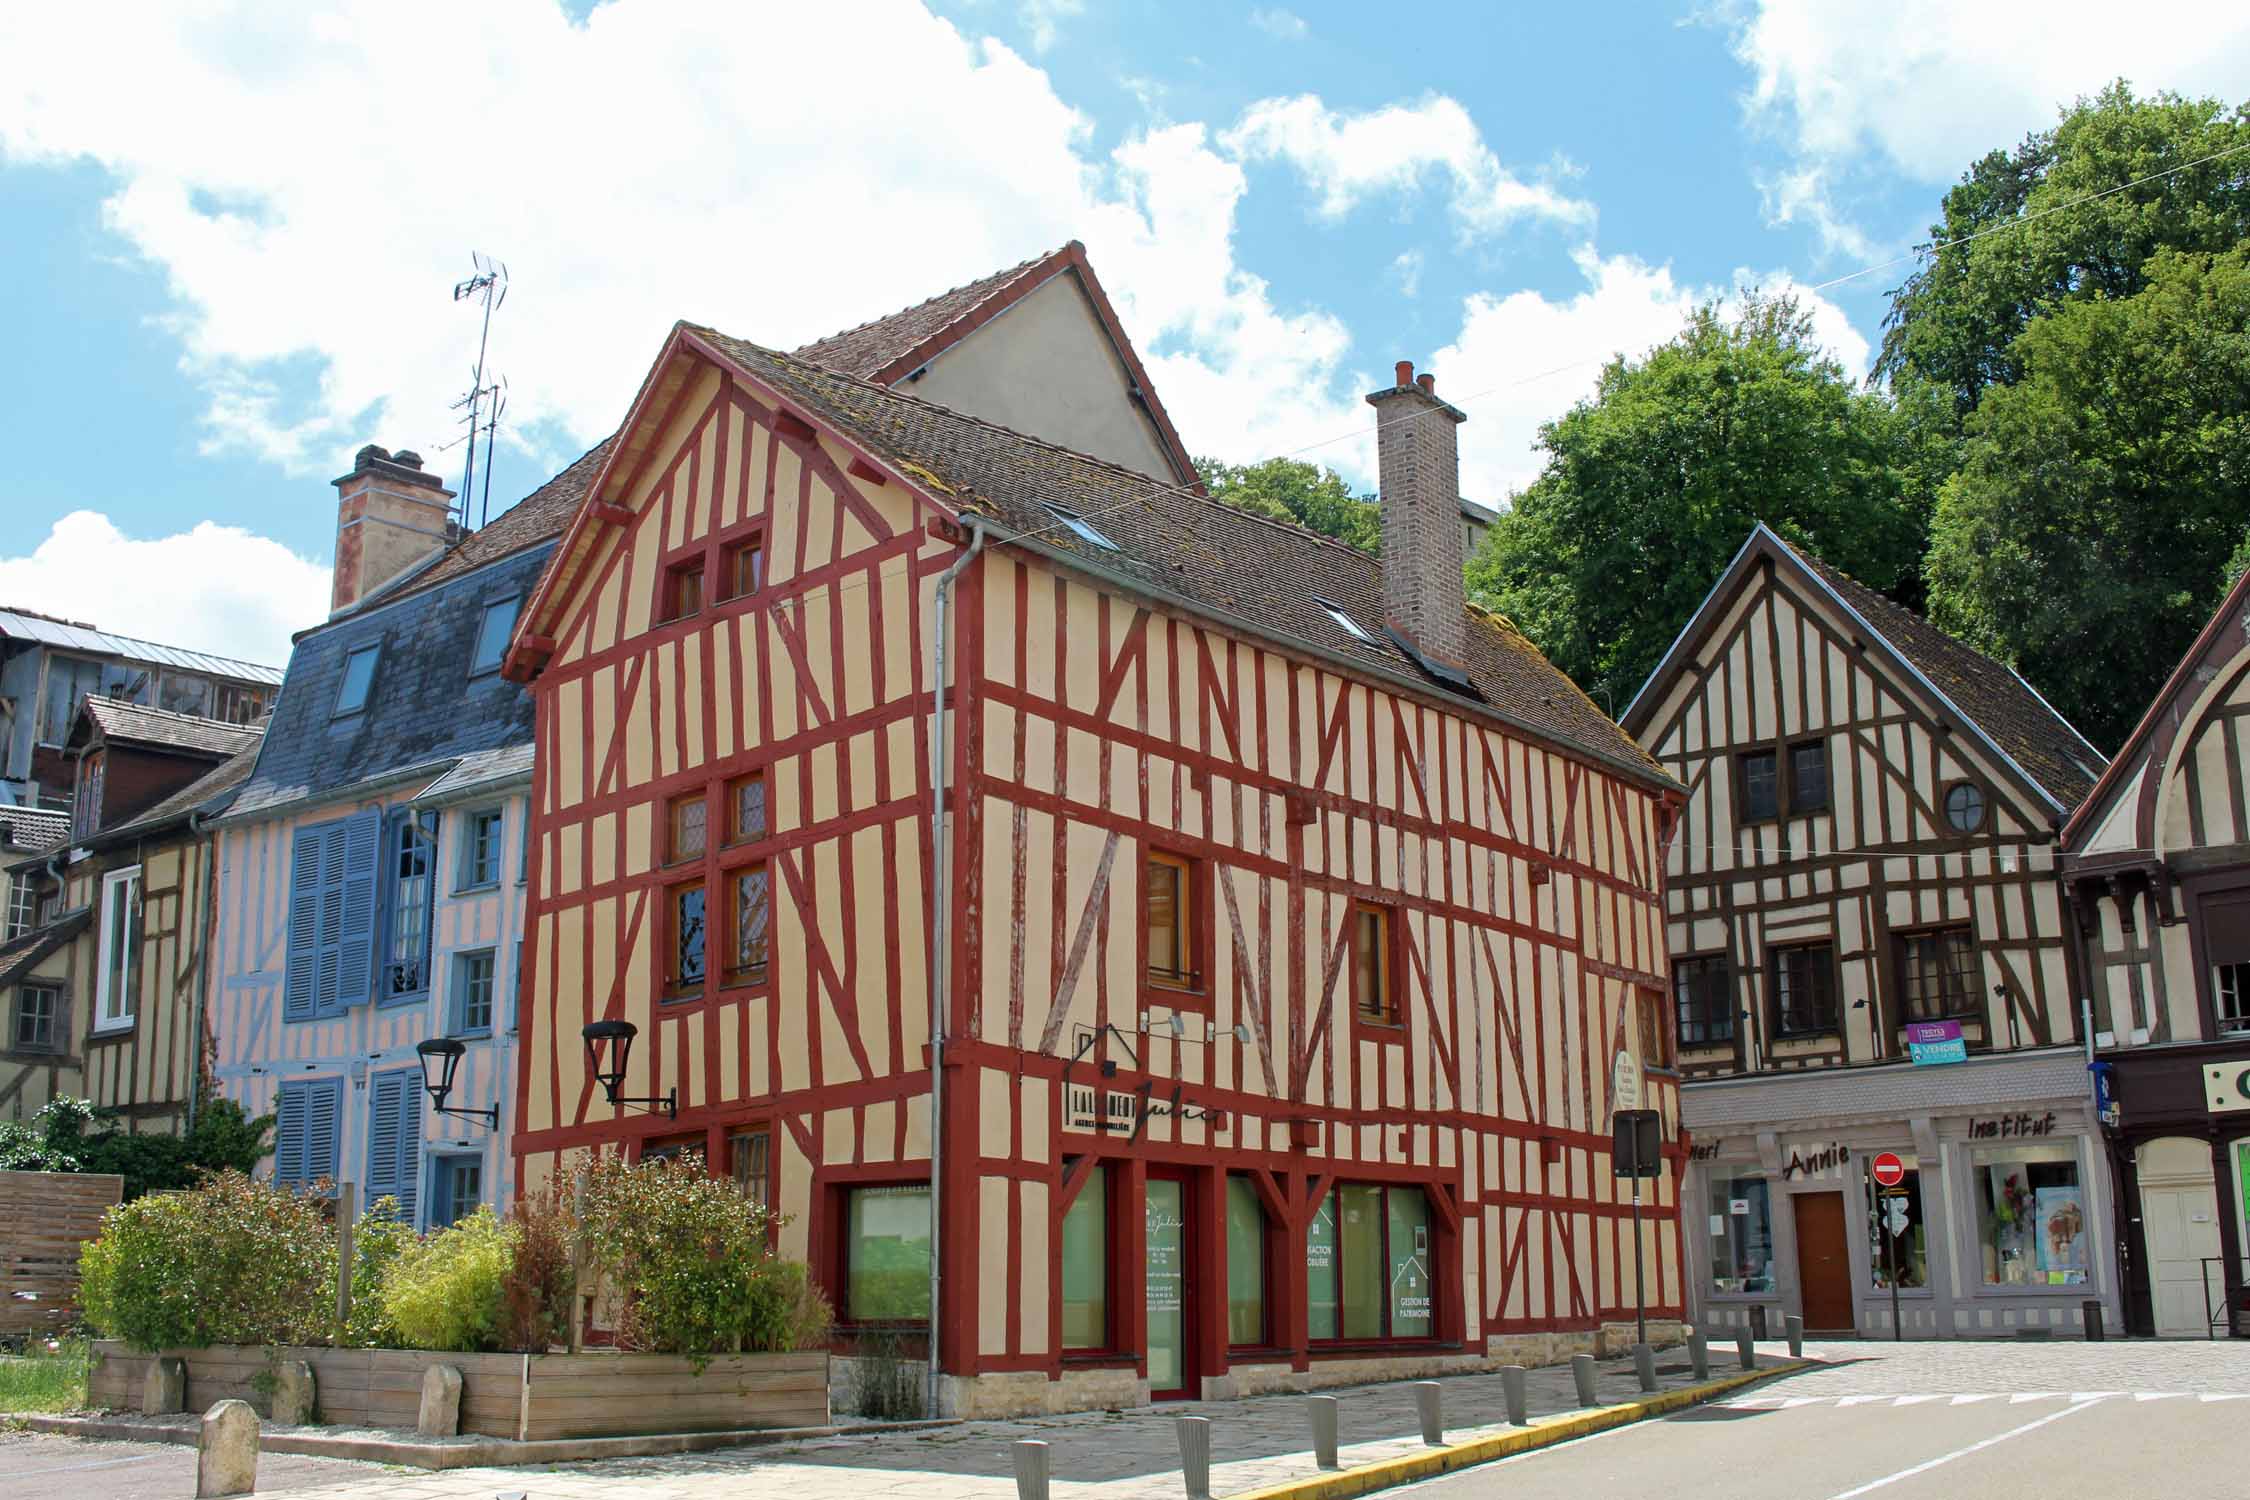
x,y
493,628
480,849
684,819
683,590
38,1019
746,808
473,991
749,919
358,681
745,568
684,979
1808,777
1082,528
1374,996
1351,626
1760,785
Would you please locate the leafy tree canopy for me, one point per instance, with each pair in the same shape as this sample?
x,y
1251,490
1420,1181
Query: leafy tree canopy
x,y
1653,484
1288,489
2099,509
58,1139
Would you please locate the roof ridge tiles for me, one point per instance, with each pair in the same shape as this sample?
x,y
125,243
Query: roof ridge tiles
x,y
997,280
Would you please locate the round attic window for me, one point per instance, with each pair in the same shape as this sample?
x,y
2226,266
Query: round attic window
x,y
1964,807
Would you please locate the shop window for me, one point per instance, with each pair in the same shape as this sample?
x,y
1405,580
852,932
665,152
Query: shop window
x,y
1374,981
1246,1263
1169,919
1085,1265
1702,1004
1741,1226
684,819
1937,974
746,808
749,917
1909,1252
118,989
750,1163
1368,1264
1758,783
37,1026
745,568
1808,778
1804,989
683,978
2032,1228
683,590
887,1254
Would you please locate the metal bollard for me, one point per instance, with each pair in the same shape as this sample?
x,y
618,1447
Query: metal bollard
x,y
1512,1387
1429,1405
1745,1350
1796,1327
1644,1367
1031,1469
1195,1455
1582,1375
1699,1355
1322,1411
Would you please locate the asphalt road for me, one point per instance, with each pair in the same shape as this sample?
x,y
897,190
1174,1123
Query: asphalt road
x,y
38,1466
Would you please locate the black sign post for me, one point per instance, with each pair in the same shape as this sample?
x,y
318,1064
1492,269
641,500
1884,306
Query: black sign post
x,y
1637,1151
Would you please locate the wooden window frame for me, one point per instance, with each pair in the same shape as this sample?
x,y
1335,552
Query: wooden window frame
x,y
1723,980
673,806
693,563
1190,991
731,548
671,990
728,840
1653,1018
1953,830
1391,1026
1971,1007
750,979
1742,813
769,1190
58,1019
1788,771
1778,955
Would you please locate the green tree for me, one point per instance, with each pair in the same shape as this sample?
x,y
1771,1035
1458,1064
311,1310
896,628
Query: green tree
x,y
58,1139
1289,489
1652,485
2100,501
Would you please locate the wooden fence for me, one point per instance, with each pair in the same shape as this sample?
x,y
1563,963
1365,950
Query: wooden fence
x,y
44,1218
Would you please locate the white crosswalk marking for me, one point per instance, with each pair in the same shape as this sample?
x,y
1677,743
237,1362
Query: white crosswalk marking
x,y
1923,1398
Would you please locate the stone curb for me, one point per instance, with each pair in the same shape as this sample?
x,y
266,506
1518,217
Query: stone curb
x,y
475,1453
1544,1433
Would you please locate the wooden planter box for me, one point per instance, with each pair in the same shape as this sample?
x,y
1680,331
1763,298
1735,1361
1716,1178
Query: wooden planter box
x,y
522,1396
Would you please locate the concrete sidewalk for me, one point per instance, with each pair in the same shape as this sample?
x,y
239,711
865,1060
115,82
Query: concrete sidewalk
x,y
1256,1444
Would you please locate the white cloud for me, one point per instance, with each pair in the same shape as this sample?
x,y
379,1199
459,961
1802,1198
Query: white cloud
x,y
1281,25
1524,359
1406,269
212,588
651,163
1348,157
1925,87
1043,19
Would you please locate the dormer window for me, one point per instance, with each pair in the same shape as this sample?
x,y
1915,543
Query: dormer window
x,y
359,680
1351,626
493,628
1082,527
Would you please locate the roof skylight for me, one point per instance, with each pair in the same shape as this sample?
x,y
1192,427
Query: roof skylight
x,y
1336,613
1083,527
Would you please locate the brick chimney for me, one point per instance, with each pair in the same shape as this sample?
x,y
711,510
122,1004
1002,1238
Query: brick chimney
x,y
1419,467
390,514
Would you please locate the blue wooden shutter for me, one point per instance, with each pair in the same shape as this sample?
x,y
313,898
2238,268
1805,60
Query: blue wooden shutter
x,y
324,1110
298,978
361,838
289,1132
394,1138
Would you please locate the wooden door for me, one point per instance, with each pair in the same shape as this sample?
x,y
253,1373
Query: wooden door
x,y
2181,1224
1824,1262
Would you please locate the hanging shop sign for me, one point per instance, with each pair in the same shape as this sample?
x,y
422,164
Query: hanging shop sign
x,y
1934,1042
2226,1086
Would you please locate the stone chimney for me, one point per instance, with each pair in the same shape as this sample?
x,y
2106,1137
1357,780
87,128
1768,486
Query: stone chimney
x,y
1420,492
390,515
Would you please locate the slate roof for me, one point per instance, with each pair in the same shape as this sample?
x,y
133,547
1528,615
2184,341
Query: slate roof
x,y
507,766
210,794
864,351
1267,574
187,734
37,829
20,957
2006,707
423,711
25,625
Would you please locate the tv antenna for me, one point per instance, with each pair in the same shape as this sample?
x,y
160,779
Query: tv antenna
x,y
490,286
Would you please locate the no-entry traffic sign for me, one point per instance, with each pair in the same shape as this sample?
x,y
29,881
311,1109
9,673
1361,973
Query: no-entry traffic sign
x,y
1887,1170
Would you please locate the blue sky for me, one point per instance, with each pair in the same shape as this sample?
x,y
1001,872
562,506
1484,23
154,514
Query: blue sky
x,y
230,241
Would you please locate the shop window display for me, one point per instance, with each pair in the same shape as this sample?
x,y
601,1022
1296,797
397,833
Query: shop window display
x,y
1741,1226
2031,1216
1911,1253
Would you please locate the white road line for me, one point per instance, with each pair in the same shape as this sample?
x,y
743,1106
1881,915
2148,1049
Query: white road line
x,y
1946,1458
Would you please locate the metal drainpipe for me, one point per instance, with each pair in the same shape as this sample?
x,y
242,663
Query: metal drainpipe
x,y
940,911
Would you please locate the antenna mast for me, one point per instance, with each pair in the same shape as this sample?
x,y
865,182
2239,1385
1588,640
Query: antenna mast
x,y
490,286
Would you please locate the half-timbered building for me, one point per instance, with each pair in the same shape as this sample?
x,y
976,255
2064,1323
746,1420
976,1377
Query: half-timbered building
x,y
1869,955
1281,918
2159,864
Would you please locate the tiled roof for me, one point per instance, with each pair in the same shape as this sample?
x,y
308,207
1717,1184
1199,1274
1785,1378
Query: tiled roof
x,y
36,829
2021,722
423,708
1270,575
23,955
866,350
134,724
209,794
26,625
538,517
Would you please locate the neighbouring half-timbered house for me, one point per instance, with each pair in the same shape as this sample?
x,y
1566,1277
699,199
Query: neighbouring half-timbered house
x,y
2159,864
104,994
1284,917
1870,954
371,868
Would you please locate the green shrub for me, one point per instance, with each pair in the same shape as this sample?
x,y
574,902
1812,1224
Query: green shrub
x,y
443,1292
378,1241
229,1262
59,1139
536,1300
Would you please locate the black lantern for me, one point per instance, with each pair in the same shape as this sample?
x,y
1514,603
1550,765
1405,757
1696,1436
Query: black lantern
x,y
441,1059
609,1044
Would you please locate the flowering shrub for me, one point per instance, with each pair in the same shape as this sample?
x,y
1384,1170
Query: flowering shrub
x,y
230,1262
443,1291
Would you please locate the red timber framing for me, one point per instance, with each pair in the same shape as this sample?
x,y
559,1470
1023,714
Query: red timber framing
x,y
1090,730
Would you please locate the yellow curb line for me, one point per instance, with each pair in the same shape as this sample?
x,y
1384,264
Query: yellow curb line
x,y
1345,1483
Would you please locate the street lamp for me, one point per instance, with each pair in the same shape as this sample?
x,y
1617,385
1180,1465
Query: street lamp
x,y
608,1045
441,1059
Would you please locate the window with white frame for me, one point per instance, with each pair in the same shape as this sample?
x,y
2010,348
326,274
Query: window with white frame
x,y
2230,991
480,849
473,991
1357,631
118,987
23,906
494,623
